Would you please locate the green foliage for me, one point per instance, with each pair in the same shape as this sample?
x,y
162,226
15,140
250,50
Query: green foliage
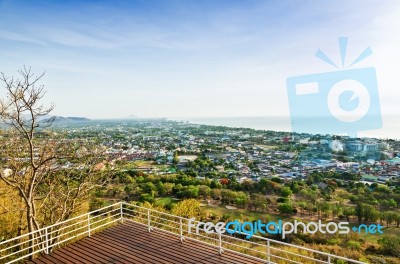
x,y
97,203
334,241
286,192
146,197
390,245
282,200
277,180
366,213
204,191
285,208
355,245
188,192
164,201
188,208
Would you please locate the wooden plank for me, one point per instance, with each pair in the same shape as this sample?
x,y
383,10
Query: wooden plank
x,y
197,247
41,261
187,251
100,253
132,243
139,257
151,251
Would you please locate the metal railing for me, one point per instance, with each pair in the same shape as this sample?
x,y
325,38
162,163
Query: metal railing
x,y
45,239
258,248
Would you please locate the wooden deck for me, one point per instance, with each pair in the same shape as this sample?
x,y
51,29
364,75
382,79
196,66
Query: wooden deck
x,y
132,243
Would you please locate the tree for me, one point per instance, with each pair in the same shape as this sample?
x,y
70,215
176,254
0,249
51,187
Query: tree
x,y
348,212
228,196
325,208
384,205
160,188
146,197
168,187
176,158
52,175
204,191
370,213
241,199
390,217
216,194
397,219
188,192
285,208
392,203
258,201
390,245
149,188
359,212
188,208
224,181
366,212
286,192
215,185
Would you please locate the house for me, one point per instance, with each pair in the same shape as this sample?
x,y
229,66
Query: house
x,y
369,178
383,179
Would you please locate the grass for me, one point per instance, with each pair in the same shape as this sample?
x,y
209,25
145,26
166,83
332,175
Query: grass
x,y
143,163
387,231
146,163
162,167
165,201
138,163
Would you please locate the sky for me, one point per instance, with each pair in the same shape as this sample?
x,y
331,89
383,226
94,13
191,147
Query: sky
x,y
112,59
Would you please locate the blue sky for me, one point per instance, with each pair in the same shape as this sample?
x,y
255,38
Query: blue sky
x,y
111,59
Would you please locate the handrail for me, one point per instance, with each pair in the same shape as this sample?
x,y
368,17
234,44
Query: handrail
x,y
128,212
45,239
60,223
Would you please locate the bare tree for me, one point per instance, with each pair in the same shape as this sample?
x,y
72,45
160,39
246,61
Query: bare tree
x,y
53,174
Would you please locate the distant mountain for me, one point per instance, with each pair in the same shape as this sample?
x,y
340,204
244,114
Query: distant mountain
x,y
131,117
62,119
79,119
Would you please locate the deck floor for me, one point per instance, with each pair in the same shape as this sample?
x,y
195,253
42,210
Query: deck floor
x,y
132,243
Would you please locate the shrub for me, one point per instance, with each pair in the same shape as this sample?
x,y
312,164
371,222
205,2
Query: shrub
x,y
146,197
285,208
334,241
390,245
355,245
282,200
377,260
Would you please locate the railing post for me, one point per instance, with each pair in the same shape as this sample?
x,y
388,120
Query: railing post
x,y
122,214
329,259
148,220
220,244
180,229
46,237
268,253
88,224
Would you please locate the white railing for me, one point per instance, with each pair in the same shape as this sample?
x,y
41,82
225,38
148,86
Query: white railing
x,y
259,248
49,237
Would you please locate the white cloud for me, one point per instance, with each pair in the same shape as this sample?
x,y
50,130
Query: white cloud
x,y
19,37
